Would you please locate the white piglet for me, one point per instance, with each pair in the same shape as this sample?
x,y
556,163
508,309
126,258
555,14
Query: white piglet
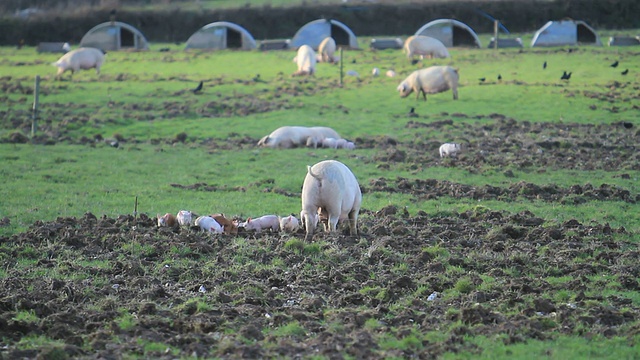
x,y
289,224
262,223
184,218
80,59
306,61
330,185
209,224
425,47
450,149
432,80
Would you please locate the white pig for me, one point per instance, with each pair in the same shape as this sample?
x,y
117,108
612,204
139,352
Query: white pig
x,y
330,185
375,72
306,61
390,73
450,149
293,136
184,218
330,143
327,50
432,80
425,46
262,223
80,59
207,223
289,223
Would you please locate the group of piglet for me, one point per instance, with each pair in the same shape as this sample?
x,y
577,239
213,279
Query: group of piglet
x,y
220,224
299,136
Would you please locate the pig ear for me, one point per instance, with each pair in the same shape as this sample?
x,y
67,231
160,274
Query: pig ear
x,y
248,219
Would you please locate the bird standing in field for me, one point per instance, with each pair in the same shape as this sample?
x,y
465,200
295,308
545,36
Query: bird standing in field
x,y
565,76
544,65
499,77
482,79
198,89
625,72
412,112
615,64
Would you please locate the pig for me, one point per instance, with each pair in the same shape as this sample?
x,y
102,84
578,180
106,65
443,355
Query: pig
x,y
184,218
341,143
332,186
209,224
80,59
330,143
262,223
450,149
168,220
289,223
327,50
230,226
432,80
306,61
375,72
390,73
293,136
350,145
425,46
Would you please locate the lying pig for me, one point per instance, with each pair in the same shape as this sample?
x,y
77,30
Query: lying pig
x,y
209,224
289,223
432,80
80,59
293,136
167,220
327,50
330,185
184,218
306,61
450,149
262,223
425,47
229,226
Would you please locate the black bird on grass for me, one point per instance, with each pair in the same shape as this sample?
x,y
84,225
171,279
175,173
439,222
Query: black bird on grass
x,y
412,112
625,72
499,77
198,89
482,79
414,61
565,76
544,65
615,64
258,79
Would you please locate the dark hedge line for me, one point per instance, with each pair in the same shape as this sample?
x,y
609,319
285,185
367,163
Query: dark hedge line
x,y
369,20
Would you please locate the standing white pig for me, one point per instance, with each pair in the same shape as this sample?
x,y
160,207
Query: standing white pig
x,y
289,223
327,50
262,223
450,149
80,59
306,61
330,185
425,46
209,224
432,80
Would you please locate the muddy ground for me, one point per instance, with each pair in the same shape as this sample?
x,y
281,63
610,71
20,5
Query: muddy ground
x,y
104,288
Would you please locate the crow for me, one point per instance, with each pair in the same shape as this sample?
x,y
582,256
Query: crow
x,y
615,64
412,112
198,88
544,65
114,144
565,76
414,61
499,77
625,72
482,79
258,79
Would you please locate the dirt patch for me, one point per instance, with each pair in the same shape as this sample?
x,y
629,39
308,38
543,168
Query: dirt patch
x,y
120,284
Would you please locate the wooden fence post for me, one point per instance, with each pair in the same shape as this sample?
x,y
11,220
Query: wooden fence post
x,y
36,99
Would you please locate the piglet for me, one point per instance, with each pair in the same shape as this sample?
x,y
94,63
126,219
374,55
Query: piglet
x,y
166,220
289,224
184,218
230,226
450,149
207,223
262,223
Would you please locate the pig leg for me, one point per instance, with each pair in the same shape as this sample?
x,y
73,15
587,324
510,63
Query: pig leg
x,y
353,221
454,89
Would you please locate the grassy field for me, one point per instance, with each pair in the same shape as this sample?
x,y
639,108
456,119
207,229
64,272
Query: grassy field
x,y
178,150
